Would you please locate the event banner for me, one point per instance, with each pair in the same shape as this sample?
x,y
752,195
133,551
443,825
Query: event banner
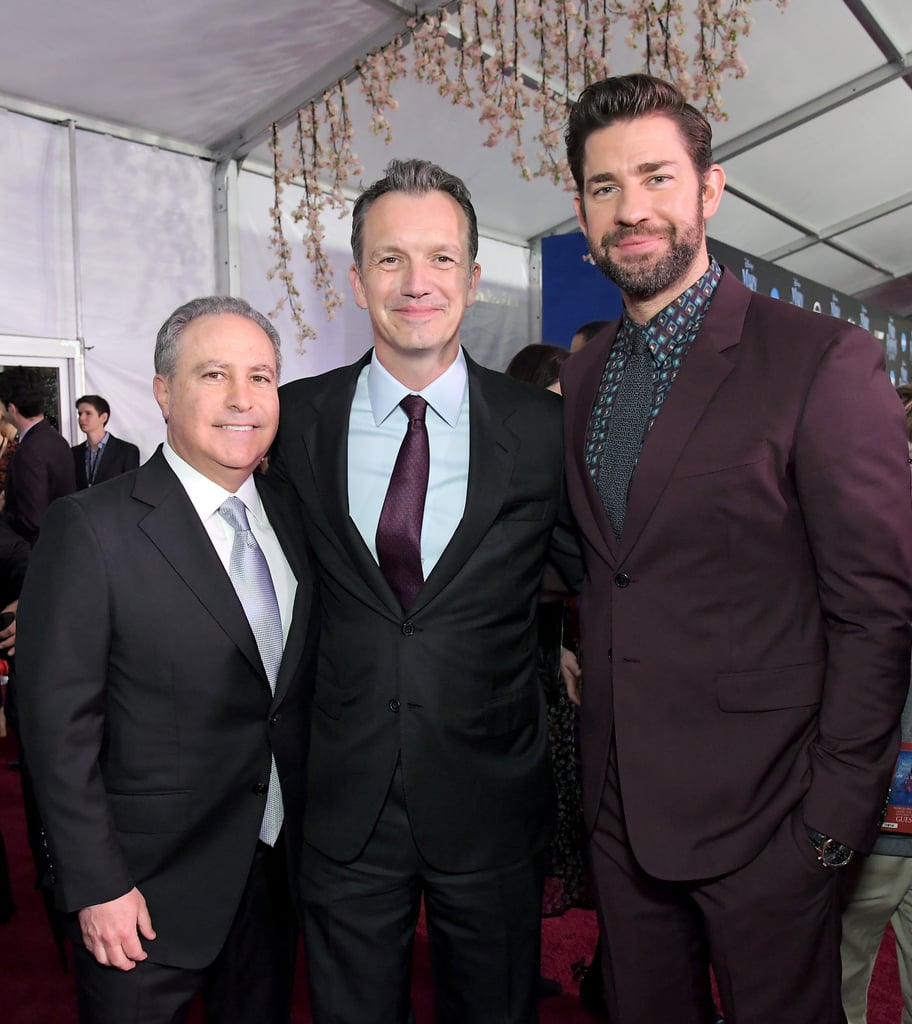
x,y
893,332
574,291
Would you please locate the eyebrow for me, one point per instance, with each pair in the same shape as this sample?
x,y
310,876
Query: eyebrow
x,y
646,168
394,249
215,364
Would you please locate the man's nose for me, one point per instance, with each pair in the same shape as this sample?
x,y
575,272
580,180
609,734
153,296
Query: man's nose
x,y
416,282
632,206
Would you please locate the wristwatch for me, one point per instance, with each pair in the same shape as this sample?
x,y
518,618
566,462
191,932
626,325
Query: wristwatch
x,y
830,852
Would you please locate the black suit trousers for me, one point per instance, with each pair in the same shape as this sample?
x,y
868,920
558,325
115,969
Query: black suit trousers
x,y
484,932
250,982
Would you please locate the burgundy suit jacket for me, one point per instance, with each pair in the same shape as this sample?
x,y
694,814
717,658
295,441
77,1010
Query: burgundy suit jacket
x,y
747,641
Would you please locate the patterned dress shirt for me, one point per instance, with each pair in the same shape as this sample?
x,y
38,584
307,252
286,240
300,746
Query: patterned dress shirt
x,y
671,333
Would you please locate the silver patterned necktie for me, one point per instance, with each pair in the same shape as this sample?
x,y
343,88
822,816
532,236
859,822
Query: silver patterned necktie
x,y
629,416
252,582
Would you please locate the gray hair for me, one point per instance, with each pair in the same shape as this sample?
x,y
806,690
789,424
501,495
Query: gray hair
x,y
168,341
416,178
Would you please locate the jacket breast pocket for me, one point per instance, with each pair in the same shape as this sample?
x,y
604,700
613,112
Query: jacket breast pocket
x,y
151,813
723,459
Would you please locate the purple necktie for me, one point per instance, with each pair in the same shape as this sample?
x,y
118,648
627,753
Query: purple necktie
x,y
399,529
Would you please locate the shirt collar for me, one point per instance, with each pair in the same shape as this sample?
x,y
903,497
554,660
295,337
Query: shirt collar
x,y
678,319
444,395
206,495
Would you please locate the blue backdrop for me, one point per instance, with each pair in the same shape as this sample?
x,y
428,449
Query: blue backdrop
x,y
573,290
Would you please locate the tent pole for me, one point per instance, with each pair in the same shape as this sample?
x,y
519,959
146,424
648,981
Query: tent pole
x,y
77,256
227,263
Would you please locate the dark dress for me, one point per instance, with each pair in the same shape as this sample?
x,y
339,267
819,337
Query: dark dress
x,y
566,881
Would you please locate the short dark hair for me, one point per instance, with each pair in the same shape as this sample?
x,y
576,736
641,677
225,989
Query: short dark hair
x,y
589,329
538,364
905,394
169,334
97,402
624,98
416,178
20,387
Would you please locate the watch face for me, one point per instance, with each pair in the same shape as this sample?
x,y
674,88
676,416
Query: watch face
x,y
835,855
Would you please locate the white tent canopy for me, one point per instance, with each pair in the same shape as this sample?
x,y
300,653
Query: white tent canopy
x,y
125,126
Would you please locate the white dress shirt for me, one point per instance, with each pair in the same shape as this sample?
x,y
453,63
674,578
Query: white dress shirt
x,y
376,428
206,496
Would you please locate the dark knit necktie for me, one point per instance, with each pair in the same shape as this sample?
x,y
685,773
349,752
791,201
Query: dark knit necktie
x,y
399,529
629,415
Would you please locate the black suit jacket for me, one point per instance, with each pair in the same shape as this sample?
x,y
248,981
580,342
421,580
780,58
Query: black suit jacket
x,y
40,470
448,686
146,715
116,457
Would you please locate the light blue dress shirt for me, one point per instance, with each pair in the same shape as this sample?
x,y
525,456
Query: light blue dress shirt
x,y
376,428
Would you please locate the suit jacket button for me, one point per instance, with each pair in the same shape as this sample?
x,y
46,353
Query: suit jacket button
x,y
622,580
274,720
394,706
408,629
260,788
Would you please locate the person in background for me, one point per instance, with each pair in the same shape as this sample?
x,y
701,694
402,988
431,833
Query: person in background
x,y
879,887
565,869
431,491
102,456
8,444
565,872
586,333
737,471
14,556
539,365
165,666
41,468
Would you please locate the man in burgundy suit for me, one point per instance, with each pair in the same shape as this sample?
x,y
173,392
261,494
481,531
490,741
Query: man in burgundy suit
x,y
737,470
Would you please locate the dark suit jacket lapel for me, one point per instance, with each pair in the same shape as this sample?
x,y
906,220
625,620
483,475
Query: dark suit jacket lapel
x,y
175,529
578,430
326,442
702,372
79,453
107,460
492,449
291,537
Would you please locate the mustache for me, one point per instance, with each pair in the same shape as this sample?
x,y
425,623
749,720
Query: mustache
x,y
613,237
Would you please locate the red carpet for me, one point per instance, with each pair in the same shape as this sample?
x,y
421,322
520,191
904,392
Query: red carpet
x,y
34,989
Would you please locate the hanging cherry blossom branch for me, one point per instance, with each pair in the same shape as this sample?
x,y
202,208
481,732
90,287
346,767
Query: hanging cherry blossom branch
x,y
518,63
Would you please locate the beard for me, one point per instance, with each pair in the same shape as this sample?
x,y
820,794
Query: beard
x,y
649,275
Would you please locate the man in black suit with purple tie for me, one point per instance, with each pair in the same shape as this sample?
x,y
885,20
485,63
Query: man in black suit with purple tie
x,y
429,773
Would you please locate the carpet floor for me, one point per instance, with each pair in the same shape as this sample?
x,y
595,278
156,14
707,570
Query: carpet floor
x,y
36,990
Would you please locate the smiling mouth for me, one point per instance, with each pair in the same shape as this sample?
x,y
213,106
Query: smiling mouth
x,y
633,241
417,310
237,427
